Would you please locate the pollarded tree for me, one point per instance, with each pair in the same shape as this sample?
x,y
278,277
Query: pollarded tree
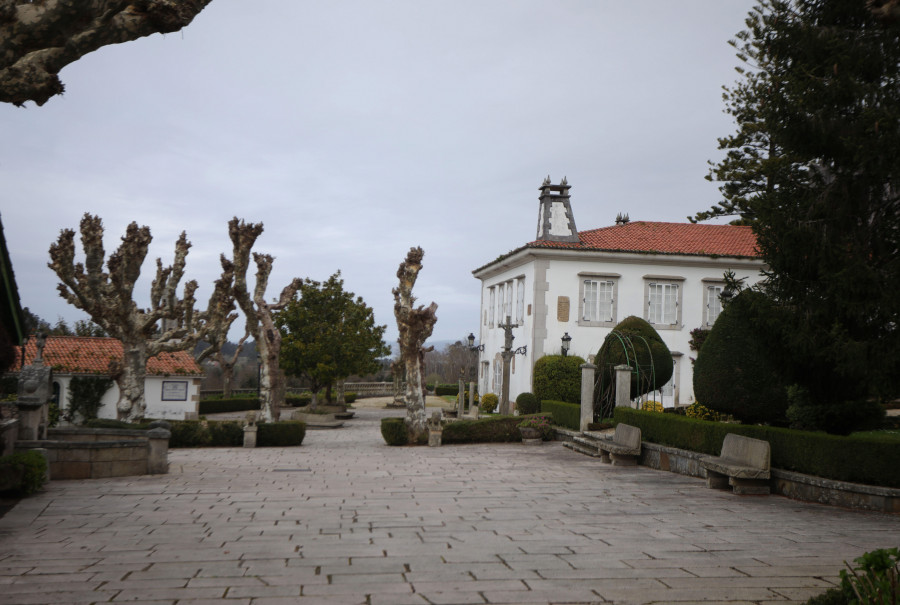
x,y
329,334
814,165
259,313
107,297
38,39
415,325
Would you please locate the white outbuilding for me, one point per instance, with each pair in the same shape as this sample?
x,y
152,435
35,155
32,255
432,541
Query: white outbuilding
x,y
579,285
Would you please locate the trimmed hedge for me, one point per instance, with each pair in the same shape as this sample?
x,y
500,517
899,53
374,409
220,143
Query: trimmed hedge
x,y
564,414
861,458
235,404
280,434
527,403
446,389
497,429
558,378
394,431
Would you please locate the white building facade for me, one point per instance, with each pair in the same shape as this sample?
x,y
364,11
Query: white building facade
x,y
582,284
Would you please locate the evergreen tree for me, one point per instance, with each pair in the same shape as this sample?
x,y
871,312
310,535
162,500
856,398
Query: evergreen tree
x,y
329,334
815,166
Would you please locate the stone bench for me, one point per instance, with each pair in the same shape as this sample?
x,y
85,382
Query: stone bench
x,y
624,448
744,465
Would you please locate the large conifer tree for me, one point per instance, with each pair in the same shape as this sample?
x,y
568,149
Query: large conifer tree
x,y
815,167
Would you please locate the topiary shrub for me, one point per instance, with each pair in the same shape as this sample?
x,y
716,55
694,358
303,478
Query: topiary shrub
x,y
837,418
394,431
564,414
527,403
636,343
285,433
558,378
488,403
737,371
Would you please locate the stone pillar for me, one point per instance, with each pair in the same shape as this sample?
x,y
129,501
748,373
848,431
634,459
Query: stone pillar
x,y
435,429
461,398
250,436
623,386
34,392
472,399
158,458
587,395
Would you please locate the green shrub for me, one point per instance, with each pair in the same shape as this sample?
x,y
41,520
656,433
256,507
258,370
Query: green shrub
x,y
32,466
85,395
226,434
446,389
564,414
557,378
701,412
394,431
496,429
636,343
280,434
527,403
832,596
234,404
877,578
738,371
832,417
856,458
189,433
112,423
298,399
488,403
349,397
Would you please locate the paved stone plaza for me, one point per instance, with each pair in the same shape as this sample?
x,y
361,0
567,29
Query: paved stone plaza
x,y
347,519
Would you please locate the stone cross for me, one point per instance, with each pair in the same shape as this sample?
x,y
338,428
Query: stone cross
x,y
507,354
34,392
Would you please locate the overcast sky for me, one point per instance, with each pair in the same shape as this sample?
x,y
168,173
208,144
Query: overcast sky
x,y
356,129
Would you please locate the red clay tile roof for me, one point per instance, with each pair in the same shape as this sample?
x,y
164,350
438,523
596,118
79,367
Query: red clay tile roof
x,y
665,238
84,355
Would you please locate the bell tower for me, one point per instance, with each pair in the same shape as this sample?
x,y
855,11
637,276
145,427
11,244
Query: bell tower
x,y
555,220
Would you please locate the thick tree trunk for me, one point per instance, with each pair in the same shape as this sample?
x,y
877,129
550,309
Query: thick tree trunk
x,y
131,405
415,326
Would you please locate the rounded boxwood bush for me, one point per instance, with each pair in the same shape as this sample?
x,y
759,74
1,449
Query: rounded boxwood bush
x,y
488,403
394,431
647,351
557,378
737,371
527,403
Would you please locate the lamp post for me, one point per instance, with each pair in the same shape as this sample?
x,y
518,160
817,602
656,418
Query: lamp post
x,y
566,339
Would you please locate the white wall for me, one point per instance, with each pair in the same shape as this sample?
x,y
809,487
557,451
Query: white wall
x,y
153,394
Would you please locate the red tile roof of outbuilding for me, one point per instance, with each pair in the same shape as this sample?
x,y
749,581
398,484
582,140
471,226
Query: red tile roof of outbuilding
x,y
90,355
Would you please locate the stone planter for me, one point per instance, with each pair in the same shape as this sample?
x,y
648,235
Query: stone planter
x,y
531,436
434,438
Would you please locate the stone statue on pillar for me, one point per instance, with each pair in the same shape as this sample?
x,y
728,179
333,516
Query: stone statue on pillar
x,y
35,390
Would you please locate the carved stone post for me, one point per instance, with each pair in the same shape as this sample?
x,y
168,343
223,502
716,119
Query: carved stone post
x,y
35,389
471,396
623,386
587,395
507,354
158,459
461,398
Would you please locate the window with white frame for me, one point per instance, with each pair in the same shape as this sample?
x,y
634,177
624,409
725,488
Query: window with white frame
x,y
663,303
520,301
501,291
491,309
712,304
597,299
